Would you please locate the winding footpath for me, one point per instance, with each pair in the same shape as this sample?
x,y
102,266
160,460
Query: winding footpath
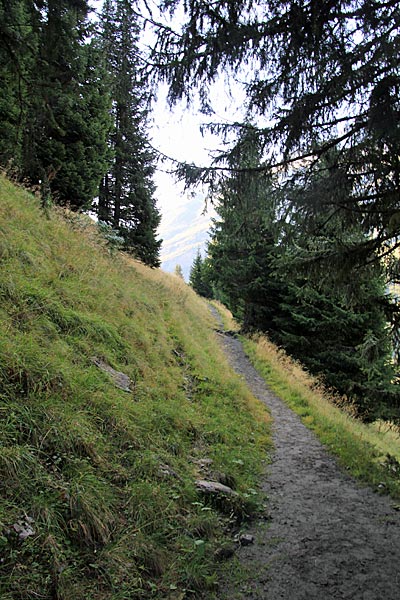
x,y
326,537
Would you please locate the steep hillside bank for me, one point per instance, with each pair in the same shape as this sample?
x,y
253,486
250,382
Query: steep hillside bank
x,y
98,493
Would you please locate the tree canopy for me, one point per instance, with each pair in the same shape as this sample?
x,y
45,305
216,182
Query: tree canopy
x,y
319,76
126,194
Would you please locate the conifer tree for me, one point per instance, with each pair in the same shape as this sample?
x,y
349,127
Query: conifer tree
x,y
242,245
199,278
64,143
347,343
334,323
195,279
323,82
126,194
18,48
178,271
337,313
320,75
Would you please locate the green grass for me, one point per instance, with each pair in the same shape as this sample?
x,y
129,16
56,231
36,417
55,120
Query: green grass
x,y
370,452
102,480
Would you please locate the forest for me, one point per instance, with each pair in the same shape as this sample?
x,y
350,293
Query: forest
x,y
305,245
73,114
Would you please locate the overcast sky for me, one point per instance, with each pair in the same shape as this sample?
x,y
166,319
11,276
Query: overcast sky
x,y
176,132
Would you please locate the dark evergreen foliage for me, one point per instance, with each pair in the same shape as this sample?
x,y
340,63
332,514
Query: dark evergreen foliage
x,y
126,194
18,48
322,82
320,75
347,344
200,277
243,245
264,256
55,106
72,113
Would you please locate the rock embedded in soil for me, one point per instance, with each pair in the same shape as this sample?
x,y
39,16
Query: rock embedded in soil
x,y
214,487
167,471
120,380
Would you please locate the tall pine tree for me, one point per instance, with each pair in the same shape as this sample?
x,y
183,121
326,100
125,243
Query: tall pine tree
x,y
334,323
54,106
126,195
18,51
242,245
318,75
64,145
200,276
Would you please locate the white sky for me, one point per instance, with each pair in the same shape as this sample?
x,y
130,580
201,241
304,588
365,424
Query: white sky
x,y
177,134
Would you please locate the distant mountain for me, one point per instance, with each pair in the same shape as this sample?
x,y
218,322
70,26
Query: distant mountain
x,y
184,230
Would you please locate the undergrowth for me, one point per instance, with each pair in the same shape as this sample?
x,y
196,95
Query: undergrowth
x,y
369,452
97,485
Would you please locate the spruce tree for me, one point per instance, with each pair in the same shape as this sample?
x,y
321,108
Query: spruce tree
x,y
195,278
322,80
349,300
18,48
335,323
242,245
126,194
347,344
178,271
199,277
54,106
64,145
318,75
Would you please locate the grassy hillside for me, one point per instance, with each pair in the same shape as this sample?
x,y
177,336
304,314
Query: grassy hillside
x,y
98,495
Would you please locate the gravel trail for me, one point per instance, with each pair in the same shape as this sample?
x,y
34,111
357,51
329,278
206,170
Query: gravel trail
x,y
327,537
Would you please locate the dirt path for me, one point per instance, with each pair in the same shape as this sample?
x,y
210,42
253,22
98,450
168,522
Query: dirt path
x,y
327,537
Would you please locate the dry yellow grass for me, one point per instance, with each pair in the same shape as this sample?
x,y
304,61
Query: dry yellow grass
x,y
363,448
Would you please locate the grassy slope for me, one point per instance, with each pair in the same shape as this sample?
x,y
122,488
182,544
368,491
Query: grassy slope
x,y
103,478
370,452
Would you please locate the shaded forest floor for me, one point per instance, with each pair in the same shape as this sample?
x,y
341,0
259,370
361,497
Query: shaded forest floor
x,y
326,537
